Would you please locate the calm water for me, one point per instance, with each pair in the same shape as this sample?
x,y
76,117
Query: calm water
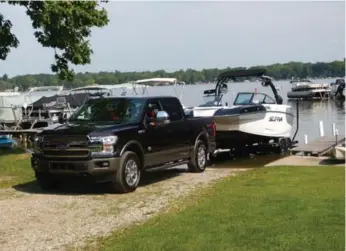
x,y
310,112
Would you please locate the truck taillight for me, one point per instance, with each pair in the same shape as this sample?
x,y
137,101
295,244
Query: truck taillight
x,y
213,126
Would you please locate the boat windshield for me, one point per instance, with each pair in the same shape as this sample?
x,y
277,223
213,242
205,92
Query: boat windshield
x,y
117,110
211,100
243,99
249,98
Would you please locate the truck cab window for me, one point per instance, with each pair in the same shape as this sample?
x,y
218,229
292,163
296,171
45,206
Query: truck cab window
x,y
173,108
151,110
117,110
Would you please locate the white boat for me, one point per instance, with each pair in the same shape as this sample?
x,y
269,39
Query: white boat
x,y
13,103
9,94
50,88
62,106
9,99
306,89
6,111
253,118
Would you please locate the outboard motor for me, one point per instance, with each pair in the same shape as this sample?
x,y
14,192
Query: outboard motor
x,y
341,86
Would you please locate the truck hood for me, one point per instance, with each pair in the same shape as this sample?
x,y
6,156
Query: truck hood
x,y
87,129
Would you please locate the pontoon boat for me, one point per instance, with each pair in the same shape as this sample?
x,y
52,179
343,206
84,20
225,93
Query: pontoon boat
x,y
306,89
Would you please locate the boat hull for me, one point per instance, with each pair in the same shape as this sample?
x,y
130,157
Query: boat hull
x,y
266,124
247,125
313,94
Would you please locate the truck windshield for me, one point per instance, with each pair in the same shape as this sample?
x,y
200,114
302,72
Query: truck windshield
x,y
118,110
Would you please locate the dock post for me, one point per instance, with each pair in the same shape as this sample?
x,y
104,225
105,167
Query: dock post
x,y
336,136
334,128
306,139
25,140
321,129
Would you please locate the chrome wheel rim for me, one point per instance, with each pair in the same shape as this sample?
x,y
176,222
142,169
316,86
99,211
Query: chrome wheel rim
x,y
131,172
201,158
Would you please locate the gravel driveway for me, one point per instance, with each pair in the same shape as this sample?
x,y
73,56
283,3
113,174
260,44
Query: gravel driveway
x,y
33,220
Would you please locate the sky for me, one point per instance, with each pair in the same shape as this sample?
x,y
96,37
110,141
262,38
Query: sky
x,y
151,36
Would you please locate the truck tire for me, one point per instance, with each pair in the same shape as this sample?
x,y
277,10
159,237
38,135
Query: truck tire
x,y
46,181
198,162
129,173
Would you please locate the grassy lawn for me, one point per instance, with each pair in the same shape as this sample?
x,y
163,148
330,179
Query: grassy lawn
x,y
14,168
276,208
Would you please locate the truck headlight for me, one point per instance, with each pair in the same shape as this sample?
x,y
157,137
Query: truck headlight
x,y
36,146
38,139
103,144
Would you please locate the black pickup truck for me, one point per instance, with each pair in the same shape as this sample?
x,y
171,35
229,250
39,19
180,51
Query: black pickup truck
x,y
114,139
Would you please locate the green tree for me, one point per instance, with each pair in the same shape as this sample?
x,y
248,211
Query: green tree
x,y
5,77
64,26
288,70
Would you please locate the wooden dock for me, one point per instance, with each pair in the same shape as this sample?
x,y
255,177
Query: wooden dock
x,y
319,146
20,131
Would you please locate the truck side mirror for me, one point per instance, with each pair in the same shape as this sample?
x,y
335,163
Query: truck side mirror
x,y
162,117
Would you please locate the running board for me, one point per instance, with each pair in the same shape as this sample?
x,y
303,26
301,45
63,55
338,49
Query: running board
x,y
168,165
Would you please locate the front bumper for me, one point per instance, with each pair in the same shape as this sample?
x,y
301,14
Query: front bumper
x,y
95,169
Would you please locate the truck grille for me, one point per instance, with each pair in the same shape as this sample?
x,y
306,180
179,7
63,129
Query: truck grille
x,y
65,146
68,166
66,153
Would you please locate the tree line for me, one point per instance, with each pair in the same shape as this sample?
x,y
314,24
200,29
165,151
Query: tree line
x,y
289,70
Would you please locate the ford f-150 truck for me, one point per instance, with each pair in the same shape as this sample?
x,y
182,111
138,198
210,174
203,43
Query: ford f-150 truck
x,y
115,139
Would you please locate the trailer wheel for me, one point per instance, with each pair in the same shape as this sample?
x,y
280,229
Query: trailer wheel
x,y
289,143
283,146
198,162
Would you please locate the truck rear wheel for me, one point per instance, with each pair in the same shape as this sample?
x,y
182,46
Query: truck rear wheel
x,y
46,181
129,173
198,162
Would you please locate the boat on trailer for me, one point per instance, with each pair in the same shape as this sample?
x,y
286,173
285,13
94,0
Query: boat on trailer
x,y
254,118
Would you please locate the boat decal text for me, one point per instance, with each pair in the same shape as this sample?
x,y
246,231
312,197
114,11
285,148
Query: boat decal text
x,y
275,119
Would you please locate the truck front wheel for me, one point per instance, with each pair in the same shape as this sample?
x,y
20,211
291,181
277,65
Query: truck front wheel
x,y
129,173
198,161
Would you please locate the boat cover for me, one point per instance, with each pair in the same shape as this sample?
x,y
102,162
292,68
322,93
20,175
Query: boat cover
x,y
74,100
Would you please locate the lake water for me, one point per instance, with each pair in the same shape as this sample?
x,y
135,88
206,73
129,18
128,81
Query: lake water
x,y
310,112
